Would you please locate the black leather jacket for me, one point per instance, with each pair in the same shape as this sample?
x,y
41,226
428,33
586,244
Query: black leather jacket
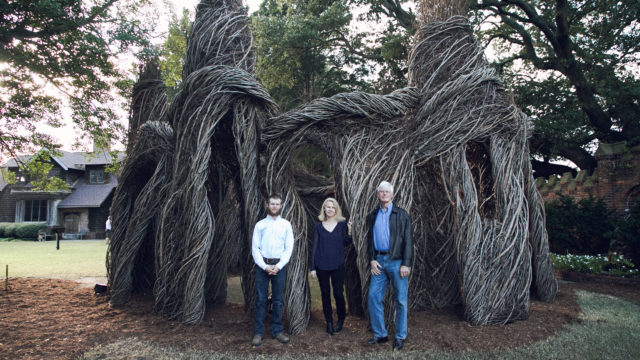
x,y
400,233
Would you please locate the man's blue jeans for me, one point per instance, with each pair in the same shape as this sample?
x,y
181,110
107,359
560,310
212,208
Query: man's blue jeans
x,y
377,287
262,291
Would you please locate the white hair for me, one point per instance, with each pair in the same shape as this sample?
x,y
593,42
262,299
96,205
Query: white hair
x,y
385,184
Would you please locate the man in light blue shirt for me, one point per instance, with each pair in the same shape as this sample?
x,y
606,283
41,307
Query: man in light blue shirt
x,y
271,248
390,250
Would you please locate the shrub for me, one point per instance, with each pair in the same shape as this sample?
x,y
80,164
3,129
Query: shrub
x,y
611,264
10,230
583,227
592,264
626,237
21,230
29,230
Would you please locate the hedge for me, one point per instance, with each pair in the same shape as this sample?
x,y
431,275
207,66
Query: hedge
x,y
21,230
9,230
587,227
626,237
584,227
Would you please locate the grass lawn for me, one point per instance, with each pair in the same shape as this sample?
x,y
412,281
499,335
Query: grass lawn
x,y
74,260
85,258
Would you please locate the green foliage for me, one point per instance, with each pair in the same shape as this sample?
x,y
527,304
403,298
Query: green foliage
x,y
173,50
7,176
585,227
386,42
36,171
626,237
591,264
572,66
21,230
115,165
29,230
8,230
611,264
306,49
313,160
63,52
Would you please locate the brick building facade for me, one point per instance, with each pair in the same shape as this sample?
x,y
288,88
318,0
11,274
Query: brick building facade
x,y
616,180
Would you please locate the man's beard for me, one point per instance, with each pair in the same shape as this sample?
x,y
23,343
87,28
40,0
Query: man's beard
x,y
271,213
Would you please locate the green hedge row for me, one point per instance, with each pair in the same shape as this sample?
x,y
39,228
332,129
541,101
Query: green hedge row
x,y
587,227
21,230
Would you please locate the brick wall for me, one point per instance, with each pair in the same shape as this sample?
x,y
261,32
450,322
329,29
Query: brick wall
x,y
616,180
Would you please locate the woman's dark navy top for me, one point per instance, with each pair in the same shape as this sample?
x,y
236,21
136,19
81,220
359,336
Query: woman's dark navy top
x,y
327,251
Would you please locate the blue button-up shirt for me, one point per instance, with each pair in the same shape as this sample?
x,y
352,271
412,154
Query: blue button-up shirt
x,y
381,229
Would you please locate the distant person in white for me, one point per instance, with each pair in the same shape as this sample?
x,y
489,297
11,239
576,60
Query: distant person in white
x,y
271,247
107,227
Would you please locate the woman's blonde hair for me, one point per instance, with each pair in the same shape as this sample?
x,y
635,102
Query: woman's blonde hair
x,y
338,217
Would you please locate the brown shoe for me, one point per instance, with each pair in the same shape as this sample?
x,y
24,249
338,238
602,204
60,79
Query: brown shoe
x,y
282,338
257,340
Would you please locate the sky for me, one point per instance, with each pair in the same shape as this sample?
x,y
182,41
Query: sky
x,y
191,4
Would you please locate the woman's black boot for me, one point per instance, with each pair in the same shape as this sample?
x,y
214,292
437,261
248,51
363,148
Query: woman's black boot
x,y
338,326
330,327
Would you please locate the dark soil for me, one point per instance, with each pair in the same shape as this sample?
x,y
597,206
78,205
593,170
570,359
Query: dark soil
x,y
60,319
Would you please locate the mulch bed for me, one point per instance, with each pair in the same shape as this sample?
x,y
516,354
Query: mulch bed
x,y
60,319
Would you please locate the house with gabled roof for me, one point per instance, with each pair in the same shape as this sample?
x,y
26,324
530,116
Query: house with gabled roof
x,y
77,212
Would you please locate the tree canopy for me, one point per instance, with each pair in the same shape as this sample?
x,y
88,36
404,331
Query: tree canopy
x,y
173,49
299,52
574,67
62,53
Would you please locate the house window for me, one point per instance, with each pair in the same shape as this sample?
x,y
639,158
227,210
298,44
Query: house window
x,y
96,176
35,210
55,172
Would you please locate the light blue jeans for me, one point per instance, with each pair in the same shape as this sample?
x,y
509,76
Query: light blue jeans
x,y
377,287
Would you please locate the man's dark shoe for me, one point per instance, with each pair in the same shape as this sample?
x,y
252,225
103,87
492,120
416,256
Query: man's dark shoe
x,y
257,340
330,329
282,338
378,340
397,344
338,326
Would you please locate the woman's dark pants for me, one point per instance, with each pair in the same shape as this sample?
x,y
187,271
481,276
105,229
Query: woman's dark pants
x,y
327,280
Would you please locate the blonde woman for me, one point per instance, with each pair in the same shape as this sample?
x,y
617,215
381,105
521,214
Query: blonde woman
x,y
330,236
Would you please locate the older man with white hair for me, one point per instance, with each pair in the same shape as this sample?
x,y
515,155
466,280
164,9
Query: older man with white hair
x,y
390,250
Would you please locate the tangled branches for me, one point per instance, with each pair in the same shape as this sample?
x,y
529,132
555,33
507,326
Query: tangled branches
x,y
453,144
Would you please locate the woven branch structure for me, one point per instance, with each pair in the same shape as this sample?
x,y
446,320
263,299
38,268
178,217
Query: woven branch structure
x,y
453,144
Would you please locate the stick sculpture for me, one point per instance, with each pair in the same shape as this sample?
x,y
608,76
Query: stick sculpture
x,y
452,143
